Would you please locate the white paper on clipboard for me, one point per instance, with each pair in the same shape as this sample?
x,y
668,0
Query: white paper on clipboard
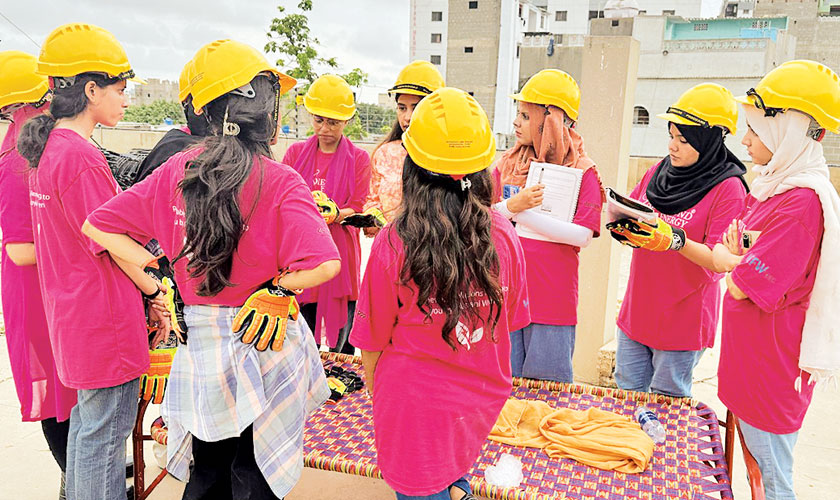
x,y
560,198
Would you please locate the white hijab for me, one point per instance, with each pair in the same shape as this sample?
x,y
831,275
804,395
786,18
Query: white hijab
x,y
798,161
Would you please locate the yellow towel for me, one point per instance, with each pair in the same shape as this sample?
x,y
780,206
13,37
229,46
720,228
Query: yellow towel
x,y
593,437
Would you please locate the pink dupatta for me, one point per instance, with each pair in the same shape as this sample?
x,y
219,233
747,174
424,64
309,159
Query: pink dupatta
x,y
332,296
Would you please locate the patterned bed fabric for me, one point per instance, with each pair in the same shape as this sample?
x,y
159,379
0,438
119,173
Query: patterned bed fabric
x,y
219,386
689,465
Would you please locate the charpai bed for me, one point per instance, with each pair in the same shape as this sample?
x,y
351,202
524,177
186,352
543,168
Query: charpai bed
x,y
689,465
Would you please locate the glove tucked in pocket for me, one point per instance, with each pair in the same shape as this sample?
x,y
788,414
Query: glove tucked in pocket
x,y
265,315
153,382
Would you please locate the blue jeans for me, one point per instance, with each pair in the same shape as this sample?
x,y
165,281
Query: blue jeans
x,y
543,352
774,454
644,369
462,484
100,423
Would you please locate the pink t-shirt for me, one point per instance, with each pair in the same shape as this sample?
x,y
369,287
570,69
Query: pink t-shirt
x,y
553,267
433,407
41,393
283,228
95,313
352,259
671,303
759,356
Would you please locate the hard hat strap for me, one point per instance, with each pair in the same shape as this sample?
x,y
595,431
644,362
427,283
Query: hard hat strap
x,y
409,86
689,116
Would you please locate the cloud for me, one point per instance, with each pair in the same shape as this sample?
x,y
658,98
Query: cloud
x,y
160,36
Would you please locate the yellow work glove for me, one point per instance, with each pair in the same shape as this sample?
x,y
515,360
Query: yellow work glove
x,y
372,217
153,382
264,316
656,238
327,207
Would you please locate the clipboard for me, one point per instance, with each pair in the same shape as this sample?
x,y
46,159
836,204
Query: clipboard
x,y
560,198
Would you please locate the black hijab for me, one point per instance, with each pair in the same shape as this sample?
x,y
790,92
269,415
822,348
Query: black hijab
x,y
674,189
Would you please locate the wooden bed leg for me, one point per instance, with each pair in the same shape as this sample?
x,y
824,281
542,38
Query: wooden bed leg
x,y
729,442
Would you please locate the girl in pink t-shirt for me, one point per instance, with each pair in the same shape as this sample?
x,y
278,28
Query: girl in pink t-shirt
x,y
780,315
338,172
243,231
669,315
415,81
444,286
41,394
93,307
544,125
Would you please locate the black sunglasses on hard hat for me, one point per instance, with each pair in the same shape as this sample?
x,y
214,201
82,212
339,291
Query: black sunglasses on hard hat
x,y
759,103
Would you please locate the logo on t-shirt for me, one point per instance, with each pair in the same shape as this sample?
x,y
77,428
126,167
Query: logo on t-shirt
x,y
466,337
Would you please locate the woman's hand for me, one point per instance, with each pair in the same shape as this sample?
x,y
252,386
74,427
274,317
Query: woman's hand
x,y
732,238
526,198
160,321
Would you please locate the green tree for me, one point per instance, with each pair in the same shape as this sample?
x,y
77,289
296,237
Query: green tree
x,y
374,118
290,36
155,113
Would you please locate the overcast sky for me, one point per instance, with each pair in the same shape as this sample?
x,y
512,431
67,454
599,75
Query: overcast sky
x,y
160,36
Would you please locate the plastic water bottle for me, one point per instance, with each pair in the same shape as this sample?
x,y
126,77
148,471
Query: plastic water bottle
x,y
650,424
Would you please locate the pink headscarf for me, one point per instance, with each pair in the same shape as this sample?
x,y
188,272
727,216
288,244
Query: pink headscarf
x,y
553,142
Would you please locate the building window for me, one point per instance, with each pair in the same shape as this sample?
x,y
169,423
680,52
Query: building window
x,y
593,14
471,93
468,50
834,10
517,51
561,15
701,27
668,12
614,22
731,10
473,4
435,60
642,12
641,116
436,37
760,24
437,16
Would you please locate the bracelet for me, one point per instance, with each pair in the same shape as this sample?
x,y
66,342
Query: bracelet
x,y
150,296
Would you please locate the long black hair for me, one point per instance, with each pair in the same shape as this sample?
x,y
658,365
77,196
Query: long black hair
x,y
213,181
67,102
446,232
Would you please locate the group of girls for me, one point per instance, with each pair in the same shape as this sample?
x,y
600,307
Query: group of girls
x,y
454,296
775,243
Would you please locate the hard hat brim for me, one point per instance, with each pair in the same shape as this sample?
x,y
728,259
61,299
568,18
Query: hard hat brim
x,y
745,99
138,80
671,117
327,113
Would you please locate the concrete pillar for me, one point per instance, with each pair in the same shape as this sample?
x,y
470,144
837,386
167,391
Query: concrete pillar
x,y
608,87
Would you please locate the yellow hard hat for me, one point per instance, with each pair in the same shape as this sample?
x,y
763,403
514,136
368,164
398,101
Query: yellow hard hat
x,y
184,80
552,87
450,134
18,81
418,78
73,49
802,85
225,65
331,97
705,105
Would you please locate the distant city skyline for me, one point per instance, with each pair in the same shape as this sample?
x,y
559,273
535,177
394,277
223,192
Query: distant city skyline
x,y
160,36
